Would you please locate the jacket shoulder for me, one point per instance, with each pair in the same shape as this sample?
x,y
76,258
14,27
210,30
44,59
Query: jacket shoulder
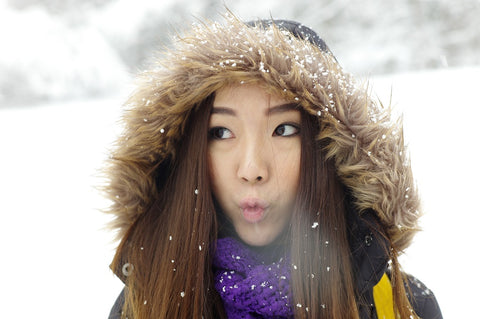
x,y
116,312
422,299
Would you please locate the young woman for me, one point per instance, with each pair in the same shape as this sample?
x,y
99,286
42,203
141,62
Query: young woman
x,y
255,180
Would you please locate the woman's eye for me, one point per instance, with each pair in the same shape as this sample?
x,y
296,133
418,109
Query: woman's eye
x,y
220,133
286,130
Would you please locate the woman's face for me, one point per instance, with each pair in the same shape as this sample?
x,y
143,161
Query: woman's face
x,y
254,158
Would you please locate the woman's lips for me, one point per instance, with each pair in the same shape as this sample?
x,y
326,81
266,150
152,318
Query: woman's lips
x,y
253,209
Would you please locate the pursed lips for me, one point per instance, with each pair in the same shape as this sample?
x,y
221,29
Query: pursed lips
x,y
253,209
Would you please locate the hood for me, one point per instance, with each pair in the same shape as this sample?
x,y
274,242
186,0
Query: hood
x,y
366,144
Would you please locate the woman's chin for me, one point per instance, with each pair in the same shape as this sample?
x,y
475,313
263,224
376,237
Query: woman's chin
x,y
257,238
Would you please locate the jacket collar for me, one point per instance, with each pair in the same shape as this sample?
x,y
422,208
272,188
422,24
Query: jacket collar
x,y
369,247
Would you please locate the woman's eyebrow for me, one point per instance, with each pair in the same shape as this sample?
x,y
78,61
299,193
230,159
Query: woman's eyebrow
x,y
282,108
271,110
223,110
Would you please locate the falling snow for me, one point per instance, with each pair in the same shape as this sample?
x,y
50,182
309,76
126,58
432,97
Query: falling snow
x,y
428,109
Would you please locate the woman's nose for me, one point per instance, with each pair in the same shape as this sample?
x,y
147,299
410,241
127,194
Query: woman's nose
x,y
253,162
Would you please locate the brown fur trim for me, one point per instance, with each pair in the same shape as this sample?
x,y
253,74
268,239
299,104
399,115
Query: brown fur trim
x,y
367,146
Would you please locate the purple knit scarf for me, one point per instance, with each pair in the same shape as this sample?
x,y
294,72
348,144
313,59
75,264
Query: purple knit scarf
x,y
250,288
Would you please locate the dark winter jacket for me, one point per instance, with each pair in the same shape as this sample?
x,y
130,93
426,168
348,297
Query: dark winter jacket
x,y
365,143
370,263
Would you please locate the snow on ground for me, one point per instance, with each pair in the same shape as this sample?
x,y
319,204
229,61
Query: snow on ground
x,y
55,252
441,119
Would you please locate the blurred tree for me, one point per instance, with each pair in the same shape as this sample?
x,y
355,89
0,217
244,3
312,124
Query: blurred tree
x,y
368,37
56,6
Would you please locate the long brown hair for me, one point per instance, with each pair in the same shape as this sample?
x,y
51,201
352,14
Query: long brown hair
x,y
165,256
166,253
322,280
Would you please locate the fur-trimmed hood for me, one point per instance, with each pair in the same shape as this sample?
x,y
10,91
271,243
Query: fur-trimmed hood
x,y
366,145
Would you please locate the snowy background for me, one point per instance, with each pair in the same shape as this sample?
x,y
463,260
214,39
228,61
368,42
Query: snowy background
x,y
66,67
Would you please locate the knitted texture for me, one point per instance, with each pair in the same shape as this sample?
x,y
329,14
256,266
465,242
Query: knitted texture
x,y
249,287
